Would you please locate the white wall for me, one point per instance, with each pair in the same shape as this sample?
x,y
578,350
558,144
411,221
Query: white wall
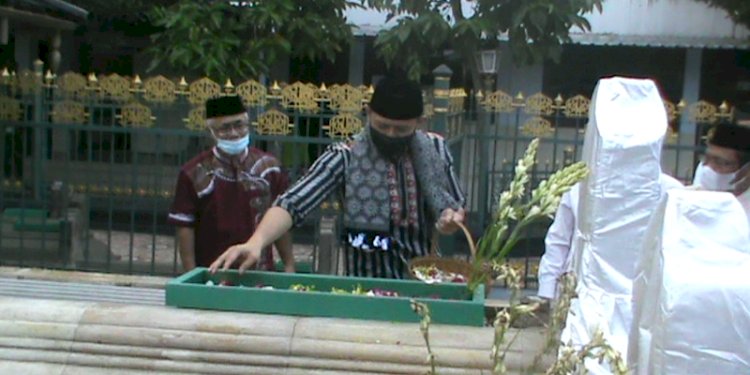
x,y
686,18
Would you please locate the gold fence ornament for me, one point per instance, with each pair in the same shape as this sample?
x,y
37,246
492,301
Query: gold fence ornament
x,y
68,112
537,127
672,135
10,109
539,105
252,92
321,93
367,92
344,126
272,122
299,96
136,115
202,90
159,89
498,101
725,111
228,86
702,111
115,87
71,85
28,82
457,98
346,98
577,107
671,110
196,119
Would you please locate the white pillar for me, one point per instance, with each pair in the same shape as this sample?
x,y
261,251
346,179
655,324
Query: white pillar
x,y
4,30
55,55
513,79
691,88
357,61
24,45
681,164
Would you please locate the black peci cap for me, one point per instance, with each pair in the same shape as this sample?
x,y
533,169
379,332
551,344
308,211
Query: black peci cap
x,y
397,98
224,106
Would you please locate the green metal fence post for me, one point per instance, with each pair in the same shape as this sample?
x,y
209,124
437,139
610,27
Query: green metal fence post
x,y
440,99
485,176
39,132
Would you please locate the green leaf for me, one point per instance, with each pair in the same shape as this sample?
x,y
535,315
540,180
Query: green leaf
x,y
538,19
403,33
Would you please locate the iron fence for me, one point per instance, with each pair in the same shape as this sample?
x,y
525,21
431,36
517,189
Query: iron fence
x,y
90,163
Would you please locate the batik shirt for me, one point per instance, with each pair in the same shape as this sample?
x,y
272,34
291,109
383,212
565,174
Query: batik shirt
x,y
327,176
224,200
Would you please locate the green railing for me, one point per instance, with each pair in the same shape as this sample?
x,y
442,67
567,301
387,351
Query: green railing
x,y
90,163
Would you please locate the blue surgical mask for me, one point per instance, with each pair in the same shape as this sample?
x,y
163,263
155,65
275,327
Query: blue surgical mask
x,y
233,146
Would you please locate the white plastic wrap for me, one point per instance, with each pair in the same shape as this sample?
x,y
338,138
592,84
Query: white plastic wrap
x,y
744,199
692,294
622,148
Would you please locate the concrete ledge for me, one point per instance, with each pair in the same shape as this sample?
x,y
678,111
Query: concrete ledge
x,y
68,337
84,277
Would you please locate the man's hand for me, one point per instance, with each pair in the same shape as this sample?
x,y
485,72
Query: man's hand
x,y
245,254
289,268
741,180
446,224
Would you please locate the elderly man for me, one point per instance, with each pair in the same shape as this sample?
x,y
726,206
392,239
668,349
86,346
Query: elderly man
x,y
223,192
397,185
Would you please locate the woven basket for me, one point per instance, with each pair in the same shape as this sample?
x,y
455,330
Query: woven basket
x,y
445,264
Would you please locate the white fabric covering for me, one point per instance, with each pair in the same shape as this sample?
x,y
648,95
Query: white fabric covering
x,y
622,148
692,292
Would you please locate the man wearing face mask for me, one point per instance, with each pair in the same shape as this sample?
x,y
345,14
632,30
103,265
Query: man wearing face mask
x,y
397,185
222,193
728,149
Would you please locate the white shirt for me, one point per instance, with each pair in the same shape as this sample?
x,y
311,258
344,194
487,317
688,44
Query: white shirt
x,y
557,255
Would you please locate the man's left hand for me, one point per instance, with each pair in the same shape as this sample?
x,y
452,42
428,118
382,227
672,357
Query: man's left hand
x,y
742,179
446,224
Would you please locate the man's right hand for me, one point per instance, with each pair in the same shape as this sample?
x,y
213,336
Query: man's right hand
x,y
246,254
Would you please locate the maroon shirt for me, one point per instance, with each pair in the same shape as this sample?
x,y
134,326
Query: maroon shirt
x,y
224,201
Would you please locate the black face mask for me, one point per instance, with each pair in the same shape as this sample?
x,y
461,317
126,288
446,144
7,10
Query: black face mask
x,y
390,147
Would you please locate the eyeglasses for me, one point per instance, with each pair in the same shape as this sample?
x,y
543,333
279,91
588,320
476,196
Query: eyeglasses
x,y
719,162
237,126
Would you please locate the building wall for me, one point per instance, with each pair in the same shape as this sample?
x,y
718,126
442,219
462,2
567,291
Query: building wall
x,y
664,17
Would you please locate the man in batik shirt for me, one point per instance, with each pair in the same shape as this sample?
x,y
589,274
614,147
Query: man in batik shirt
x,y
397,183
222,193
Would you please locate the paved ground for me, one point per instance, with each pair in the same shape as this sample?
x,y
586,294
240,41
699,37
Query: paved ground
x,y
146,247
161,248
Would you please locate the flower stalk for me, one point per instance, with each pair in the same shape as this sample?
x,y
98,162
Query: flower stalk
x,y
424,326
513,214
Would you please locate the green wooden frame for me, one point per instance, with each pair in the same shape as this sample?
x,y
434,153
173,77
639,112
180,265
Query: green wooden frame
x,y
454,306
